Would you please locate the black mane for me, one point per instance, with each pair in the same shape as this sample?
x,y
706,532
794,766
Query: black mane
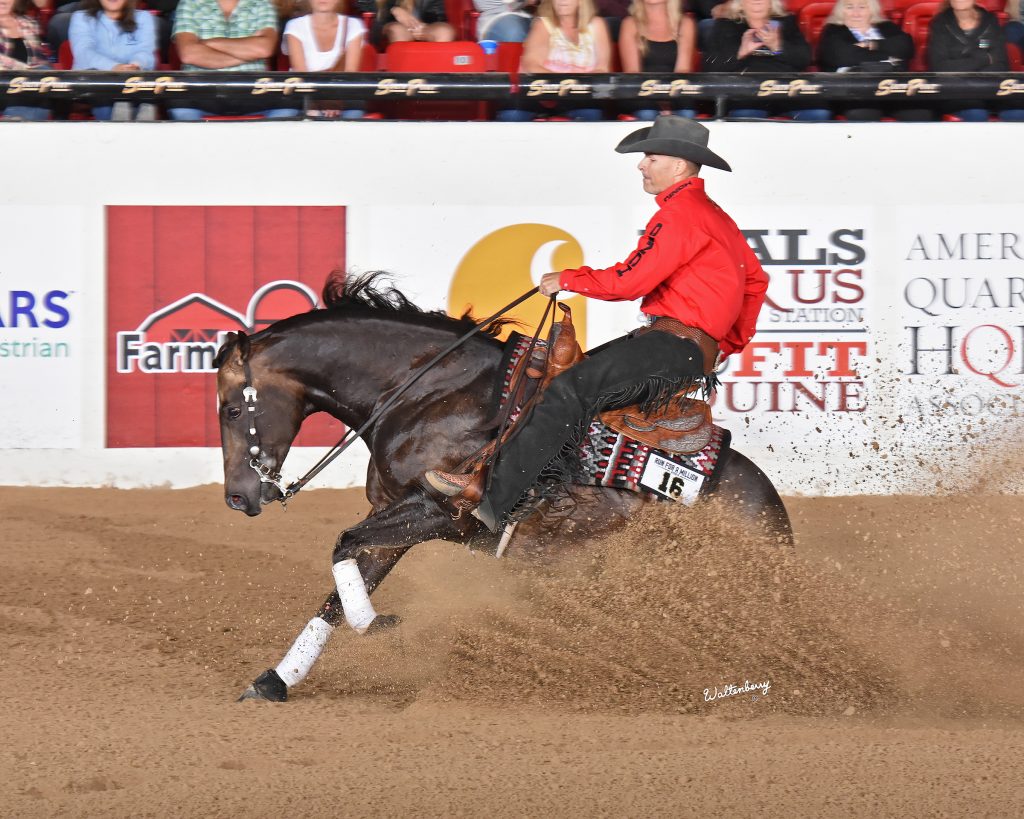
x,y
373,291
366,293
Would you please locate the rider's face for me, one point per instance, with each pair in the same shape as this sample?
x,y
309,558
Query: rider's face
x,y
660,172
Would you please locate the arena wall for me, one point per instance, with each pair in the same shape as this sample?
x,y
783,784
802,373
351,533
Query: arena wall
x,y
889,359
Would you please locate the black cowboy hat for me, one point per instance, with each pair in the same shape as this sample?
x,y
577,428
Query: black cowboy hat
x,y
674,136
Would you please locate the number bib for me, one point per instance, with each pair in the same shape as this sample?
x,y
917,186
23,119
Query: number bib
x,y
671,480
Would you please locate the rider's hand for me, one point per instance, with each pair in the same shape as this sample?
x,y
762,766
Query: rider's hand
x,y
549,284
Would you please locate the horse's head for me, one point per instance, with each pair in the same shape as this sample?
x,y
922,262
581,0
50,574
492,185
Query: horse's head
x,y
260,410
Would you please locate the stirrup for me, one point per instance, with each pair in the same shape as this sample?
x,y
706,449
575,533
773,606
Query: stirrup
x,y
447,483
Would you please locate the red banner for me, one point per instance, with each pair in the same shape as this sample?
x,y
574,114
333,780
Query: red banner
x,y
178,279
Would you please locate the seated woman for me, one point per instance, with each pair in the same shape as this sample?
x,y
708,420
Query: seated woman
x,y
400,21
966,37
566,38
504,21
758,36
1015,25
857,37
657,38
110,35
326,40
21,48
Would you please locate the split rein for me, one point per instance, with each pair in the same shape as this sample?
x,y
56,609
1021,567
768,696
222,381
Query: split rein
x,y
250,396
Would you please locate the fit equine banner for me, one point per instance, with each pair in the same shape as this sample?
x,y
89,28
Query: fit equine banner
x,y
889,355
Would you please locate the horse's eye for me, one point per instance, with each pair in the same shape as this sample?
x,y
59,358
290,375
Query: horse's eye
x,y
232,412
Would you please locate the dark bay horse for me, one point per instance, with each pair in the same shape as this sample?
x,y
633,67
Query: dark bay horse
x,y
345,360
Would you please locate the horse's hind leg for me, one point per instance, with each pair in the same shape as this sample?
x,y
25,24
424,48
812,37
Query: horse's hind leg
x,y
273,684
363,556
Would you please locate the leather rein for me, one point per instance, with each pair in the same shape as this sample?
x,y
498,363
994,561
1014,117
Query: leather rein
x,y
250,395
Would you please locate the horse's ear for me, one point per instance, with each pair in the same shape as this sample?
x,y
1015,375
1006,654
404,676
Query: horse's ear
x,y
243,343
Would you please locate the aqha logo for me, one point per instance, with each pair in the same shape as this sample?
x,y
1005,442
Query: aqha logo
x,y
184,336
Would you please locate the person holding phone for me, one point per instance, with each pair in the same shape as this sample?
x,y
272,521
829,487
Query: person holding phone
x,y
758,36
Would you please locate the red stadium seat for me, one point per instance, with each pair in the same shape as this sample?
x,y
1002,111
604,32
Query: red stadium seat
x,y
796,6
1016,61
437,58
462,15
508,57
65,59
915,22
812,19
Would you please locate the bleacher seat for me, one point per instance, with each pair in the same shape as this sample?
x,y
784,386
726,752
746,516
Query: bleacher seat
x,y
812,19
915,22
796,6
437,58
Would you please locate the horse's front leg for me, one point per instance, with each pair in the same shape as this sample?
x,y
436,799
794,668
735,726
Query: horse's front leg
x,y
363,556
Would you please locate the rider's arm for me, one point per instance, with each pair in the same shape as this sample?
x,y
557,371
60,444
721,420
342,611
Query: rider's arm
x,y
754,289
665,247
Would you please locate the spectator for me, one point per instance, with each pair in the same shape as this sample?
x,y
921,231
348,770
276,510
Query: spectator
x,y
325,40
403,20
966,37
21,48
108,35
225,35
567,37
657,38
504,21
857,37
1015,25
758,36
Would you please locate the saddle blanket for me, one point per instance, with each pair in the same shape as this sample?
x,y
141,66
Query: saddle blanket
x,y
609,458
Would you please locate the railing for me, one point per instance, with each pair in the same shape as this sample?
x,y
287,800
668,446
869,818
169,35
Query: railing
x,y
38,87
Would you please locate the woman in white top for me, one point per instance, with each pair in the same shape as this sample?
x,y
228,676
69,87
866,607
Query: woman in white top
x,y
567,37
324,40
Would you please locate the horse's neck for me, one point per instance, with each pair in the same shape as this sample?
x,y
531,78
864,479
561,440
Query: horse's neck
x,y
351,367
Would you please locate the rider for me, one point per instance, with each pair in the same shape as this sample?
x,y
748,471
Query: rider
x,y
702,289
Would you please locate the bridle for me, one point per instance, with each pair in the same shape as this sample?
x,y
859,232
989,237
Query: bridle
x,y
250,396
266,474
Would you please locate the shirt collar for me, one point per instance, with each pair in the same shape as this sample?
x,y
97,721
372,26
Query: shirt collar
x,y
694,184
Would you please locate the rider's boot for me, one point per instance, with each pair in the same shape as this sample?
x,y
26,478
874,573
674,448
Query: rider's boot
x,y
448,484
454,485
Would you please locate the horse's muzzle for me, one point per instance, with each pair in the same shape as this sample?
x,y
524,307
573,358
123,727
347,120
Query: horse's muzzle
x,y
241,504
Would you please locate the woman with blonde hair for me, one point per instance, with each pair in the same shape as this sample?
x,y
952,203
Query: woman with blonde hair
x,y
657,38
858,37
567,37
758,36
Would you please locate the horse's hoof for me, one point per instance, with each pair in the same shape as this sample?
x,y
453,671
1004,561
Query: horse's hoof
x,y
383,622
267,686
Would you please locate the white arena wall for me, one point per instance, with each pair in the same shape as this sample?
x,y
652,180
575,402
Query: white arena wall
x,y
890,360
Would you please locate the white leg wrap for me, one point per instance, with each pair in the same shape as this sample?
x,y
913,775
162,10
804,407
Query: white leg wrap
x,y
355,601
304,651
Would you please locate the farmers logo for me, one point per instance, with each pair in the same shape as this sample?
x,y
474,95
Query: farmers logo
x,y
184,336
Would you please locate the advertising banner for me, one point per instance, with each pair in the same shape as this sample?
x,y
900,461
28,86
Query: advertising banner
x,y
41,327
178,280
889,356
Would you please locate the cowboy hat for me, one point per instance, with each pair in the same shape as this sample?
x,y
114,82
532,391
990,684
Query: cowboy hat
x,y
674,136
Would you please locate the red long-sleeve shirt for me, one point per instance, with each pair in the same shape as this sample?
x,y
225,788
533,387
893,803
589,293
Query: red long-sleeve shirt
x,y
692,264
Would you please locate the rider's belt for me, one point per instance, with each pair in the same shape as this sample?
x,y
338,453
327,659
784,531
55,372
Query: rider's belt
x,y
707,345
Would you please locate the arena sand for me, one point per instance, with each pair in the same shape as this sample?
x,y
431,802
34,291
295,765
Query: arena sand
x,y
890,638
